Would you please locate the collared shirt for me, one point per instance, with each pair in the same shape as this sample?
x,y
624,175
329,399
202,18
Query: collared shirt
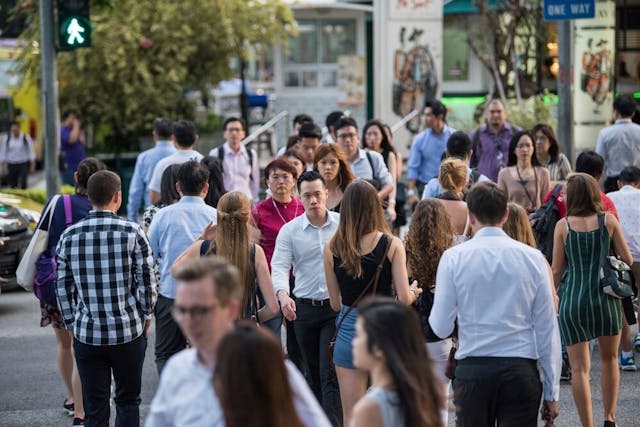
x,y
300,244
433,188
107,262
500,291
492,150
627,202
177,158
173,229
362,169
426,153
145,164
237,174
14,150
619,146
186,397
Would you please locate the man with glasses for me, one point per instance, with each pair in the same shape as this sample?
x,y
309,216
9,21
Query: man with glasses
x,y
106,290
299,245
173,229
240,169
490,142
427,150
206,306
365,164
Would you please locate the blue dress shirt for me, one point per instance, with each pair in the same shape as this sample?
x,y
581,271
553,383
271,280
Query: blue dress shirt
x,y
145,164
426,152
172,230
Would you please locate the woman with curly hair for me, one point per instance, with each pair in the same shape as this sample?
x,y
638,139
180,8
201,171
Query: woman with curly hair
x,y
331,162
430,234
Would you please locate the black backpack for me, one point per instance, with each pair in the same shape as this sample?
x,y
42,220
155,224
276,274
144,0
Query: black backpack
x,y
543,223
249,157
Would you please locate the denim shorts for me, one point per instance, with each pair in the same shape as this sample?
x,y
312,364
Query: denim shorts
x,y
342,353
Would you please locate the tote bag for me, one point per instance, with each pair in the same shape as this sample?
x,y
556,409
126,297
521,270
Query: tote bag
x,y
27,267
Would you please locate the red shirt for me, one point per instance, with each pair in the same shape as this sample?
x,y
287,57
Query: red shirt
x,y
607,204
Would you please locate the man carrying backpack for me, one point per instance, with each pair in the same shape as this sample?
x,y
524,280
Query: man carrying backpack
x,y
17,157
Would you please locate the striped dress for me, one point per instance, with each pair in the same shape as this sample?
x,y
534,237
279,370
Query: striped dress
x,y
586,312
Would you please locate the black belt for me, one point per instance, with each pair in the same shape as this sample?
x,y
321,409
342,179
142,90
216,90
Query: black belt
x,y
314,302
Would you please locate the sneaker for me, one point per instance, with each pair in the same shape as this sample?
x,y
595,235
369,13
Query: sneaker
x,y
69,408
636,343
628,363
78,422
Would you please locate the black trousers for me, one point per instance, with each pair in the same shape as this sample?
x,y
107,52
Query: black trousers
x,y
505,390
314,326
169,338
95,365
17,174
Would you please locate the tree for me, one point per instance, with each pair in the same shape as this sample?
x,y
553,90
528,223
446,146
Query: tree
x,y
506,36
146,53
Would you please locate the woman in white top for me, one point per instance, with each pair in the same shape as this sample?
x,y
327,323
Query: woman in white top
x,y
389,346
453,180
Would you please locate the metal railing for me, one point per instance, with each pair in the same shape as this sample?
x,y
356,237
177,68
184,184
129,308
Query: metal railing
x,y
403,121
271,123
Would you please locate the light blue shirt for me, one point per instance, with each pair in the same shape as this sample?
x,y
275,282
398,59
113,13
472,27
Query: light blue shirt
x,y
426,152
172,230
300,245
619,146
433,188
361,168
146,162
500,291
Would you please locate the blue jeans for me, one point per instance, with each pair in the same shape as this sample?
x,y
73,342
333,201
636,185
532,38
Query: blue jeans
x,y
95,366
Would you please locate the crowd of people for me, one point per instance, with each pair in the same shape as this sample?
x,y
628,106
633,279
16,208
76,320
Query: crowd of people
x,y
301,305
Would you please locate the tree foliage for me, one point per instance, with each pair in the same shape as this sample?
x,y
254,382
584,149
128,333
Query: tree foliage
x,y
145,54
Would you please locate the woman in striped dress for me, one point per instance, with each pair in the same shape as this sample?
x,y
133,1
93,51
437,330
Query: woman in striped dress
x,y
586,312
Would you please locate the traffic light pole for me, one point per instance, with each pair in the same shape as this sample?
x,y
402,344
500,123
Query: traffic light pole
x,y
565,100
49,97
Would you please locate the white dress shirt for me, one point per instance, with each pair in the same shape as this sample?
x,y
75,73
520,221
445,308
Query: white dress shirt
x,y
500,291
300,244
177,158
14,150
237,174
186,397
627,202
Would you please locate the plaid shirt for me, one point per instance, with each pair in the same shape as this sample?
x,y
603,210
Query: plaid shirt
x,y
107,262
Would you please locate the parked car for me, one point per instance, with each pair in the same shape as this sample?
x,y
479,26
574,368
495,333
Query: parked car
x,y
18,218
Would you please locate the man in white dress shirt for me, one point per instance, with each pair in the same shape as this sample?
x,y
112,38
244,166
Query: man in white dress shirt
x,y
206,306
500,291
299,244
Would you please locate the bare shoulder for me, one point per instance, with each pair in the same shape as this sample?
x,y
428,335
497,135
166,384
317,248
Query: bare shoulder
x,y
366,413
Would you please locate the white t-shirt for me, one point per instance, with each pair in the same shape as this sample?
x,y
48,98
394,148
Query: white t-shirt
x,y
176,158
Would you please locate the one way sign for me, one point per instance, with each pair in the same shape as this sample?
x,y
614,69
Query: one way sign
x,y
555,10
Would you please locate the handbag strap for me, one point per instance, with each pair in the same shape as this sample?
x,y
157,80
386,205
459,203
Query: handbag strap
x,y
66,199
50,210
603,252
373,281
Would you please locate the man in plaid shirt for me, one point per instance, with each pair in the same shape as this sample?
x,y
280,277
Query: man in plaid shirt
x,y
106,290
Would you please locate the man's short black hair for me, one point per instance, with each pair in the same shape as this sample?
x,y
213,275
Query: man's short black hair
x,y
301,118
163,127
101,186
591,163
630,175
192,177
184,132
67,113
309,176
459,145
310,130
234,119
332,118
437,108
14,123
625,105
343,123
487,202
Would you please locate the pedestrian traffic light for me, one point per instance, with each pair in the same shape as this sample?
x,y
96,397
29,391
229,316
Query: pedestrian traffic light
x,y
74,25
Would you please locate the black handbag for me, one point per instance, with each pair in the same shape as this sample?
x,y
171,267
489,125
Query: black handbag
x,y
616,279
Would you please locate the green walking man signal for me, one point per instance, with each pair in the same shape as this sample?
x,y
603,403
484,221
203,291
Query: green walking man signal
x,y
74,25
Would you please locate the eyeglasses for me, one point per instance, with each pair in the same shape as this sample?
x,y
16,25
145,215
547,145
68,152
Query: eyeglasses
x,y
285,178
347,136
234,129
196,312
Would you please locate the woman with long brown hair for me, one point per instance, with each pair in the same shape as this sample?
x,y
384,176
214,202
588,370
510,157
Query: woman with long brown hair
x,y
362,258
331,162
430,234
250,378
585,311
403,389
230,239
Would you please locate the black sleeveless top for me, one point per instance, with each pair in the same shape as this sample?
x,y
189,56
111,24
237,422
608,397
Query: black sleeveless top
x,y
351,287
